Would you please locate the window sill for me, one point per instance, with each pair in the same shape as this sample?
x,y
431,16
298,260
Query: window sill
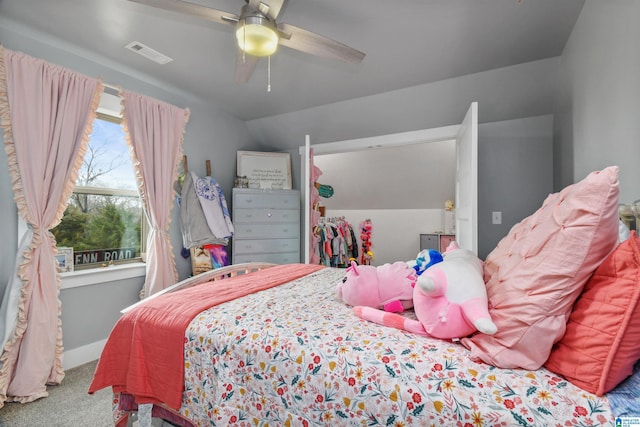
x,y
94,276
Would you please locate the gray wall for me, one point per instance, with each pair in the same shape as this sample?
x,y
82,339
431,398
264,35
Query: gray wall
x,y
98,308
9,223
515,174
210,134
525,90
596,114
417,176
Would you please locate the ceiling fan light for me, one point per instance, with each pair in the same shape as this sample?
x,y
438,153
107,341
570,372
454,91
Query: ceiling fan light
x,y
257,36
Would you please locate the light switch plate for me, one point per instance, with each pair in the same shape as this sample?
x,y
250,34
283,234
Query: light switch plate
x,y
496,217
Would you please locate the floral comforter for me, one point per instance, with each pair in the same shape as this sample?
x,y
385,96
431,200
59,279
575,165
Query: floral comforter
x,y
295,355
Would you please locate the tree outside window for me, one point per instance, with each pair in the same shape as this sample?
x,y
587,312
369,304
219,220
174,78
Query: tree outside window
x,y
104,221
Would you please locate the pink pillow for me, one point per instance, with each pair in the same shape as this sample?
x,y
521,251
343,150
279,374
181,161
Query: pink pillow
x,y
538,270
602,342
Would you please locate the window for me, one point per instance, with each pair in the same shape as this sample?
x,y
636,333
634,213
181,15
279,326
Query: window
x,y
104,221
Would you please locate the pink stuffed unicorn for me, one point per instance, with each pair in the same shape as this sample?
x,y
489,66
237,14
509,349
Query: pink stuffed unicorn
x,y
450,300
388,287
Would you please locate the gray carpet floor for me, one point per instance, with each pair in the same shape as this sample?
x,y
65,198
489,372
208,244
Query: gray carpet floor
x,y
68,405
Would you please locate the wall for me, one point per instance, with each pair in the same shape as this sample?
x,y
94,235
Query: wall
x,y
515,174
524,90
9,224
596,108
84,337
210,134
416,176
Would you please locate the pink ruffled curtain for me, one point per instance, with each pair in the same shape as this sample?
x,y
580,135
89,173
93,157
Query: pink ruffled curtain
x,y
155,133
47,113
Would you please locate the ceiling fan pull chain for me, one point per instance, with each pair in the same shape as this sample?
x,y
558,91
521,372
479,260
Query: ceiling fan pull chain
x,y
244,42
269,74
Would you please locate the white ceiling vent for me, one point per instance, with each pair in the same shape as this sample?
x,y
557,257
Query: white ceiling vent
x,y
148,53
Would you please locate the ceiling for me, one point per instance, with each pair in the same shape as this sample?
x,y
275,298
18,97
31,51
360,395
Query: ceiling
x,y
407,43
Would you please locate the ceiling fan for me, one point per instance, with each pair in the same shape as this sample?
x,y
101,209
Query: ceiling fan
x,y
258,34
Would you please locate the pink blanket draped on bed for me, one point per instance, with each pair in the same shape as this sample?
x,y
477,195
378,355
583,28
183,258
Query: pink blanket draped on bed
x,y
144,354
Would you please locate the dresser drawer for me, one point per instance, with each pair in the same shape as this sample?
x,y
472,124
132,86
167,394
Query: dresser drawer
x,y
261,199
257,231
266,215
283,258
445,240
249,246
429,241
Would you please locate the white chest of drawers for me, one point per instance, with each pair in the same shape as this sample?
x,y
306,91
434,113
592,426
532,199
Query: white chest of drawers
x,y
267,226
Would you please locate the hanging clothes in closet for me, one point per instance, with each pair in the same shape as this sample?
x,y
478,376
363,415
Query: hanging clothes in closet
x,y
204,218
366,229
337,242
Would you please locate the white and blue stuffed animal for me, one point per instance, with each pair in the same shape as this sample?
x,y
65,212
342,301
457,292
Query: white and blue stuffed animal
x,y
425,259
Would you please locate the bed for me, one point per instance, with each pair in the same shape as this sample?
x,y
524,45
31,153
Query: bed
x,y
295,354
276,346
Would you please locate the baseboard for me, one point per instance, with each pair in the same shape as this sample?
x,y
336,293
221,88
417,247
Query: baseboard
x,y
81,355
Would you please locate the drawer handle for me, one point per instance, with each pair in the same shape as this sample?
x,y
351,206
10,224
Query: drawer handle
x,y
284,230
269,214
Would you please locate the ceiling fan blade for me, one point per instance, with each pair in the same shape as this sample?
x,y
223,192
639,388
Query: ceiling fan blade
x,y
245,64
315,44
187,8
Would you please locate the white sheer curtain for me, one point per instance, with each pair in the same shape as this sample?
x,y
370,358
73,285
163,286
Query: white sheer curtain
x,y
47,114
155,132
